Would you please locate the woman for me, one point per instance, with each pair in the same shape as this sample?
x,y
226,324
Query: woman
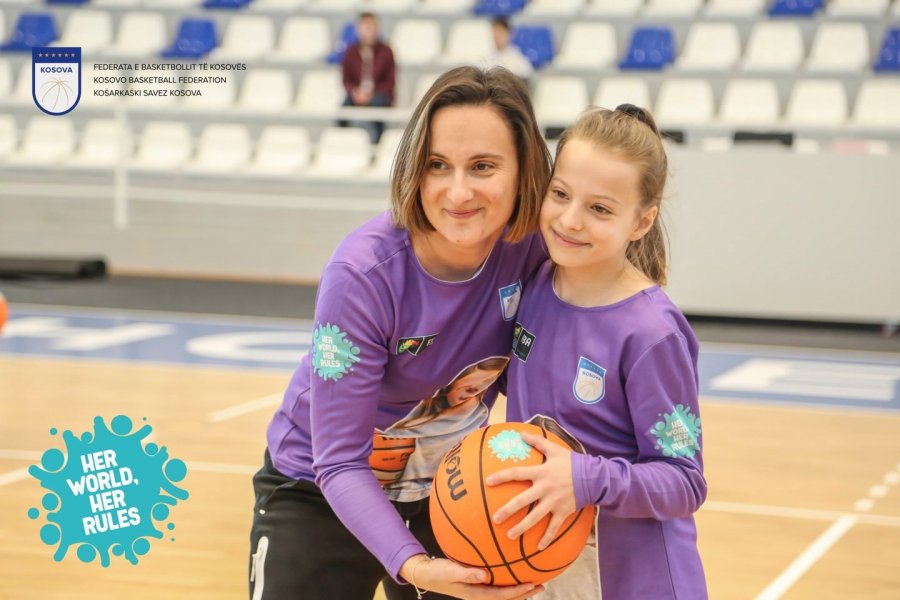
x,y
406,302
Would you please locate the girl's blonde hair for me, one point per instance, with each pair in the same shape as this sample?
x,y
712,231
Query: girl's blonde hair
x,y
496,88
630,133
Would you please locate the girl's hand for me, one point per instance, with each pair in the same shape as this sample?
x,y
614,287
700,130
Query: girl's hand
x,y
447,577
551,488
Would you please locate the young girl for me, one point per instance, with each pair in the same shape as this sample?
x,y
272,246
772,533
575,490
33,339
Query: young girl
x,y
601,349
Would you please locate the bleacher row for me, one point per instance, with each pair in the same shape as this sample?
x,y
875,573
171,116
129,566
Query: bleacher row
x,y
842,46
221,149
822,103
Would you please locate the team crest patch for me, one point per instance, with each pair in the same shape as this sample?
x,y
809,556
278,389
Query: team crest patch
x,y
509,300
523,341
678,433
333,353
590,382
414,345
56,79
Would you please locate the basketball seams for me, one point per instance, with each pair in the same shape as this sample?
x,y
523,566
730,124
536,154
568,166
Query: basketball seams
x,y
440,504
487,511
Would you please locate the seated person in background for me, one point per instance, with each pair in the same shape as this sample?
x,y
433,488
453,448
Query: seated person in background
x,y
368,72
505,53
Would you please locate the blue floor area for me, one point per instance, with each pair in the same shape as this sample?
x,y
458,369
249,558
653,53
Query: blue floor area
x,y
732,372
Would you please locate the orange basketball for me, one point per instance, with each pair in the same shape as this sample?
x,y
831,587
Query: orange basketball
x,y
461,507
389,457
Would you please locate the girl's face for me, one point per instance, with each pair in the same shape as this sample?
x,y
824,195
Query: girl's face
x,y
466,388
471,182
593,208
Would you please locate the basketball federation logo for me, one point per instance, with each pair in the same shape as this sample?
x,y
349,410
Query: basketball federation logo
x,y
590,382
509,300
56,79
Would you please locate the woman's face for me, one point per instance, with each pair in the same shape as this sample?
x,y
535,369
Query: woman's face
x,y
471,181
468,387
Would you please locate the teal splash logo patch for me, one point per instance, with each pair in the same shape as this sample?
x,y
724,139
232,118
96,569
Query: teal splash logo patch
x,y
509,445
333,354
678,433
107,492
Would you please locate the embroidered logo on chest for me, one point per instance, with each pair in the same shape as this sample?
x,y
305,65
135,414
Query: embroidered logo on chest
x,y
590,381
523,341
414,345
510,296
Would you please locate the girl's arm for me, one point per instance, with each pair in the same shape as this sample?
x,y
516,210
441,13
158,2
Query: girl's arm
x,y
665,481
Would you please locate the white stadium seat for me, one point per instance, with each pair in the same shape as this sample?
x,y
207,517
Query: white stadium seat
x,y
878,104
416,41
9,138
6,80
140,34
266,90
341,152
710,46
469,41
750,102
774,46
282,150
857,8
247,37
839,47
671,8
103,144
384,155
302,39
450,7
587,45
46,141
616,90
613,8
223,148
685,102
817,103
92,30
553,8
321,92
163,146
734,8
559,99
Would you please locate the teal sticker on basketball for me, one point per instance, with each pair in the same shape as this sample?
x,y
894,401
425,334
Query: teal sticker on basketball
x,y
678,433
509,445
107,492
333,354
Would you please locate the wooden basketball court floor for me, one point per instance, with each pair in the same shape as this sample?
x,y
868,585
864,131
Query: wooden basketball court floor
x,y
804,499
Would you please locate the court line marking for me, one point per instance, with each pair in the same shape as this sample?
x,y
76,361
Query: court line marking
x,y
821,545
176,316
244,408
808,558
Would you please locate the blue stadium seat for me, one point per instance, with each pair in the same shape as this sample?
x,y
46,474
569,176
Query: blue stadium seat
x,y
795,8
535,42
498,8
347,38
227,4
195,39
31,30
649,48
889,55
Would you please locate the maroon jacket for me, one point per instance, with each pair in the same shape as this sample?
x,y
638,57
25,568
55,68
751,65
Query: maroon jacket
x,y
383,71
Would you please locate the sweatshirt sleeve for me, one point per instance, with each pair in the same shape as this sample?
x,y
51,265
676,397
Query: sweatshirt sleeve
x,y
350,351
666,480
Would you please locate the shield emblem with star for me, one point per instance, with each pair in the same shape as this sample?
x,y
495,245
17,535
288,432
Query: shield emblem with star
x,y
56,78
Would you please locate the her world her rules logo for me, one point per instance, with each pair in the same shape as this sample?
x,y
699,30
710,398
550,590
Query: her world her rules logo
x,y
108,492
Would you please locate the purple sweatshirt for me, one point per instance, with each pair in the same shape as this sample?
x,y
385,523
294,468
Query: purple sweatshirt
x,y
622,379
387,335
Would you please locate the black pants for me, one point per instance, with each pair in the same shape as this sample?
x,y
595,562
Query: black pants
x,y
300,550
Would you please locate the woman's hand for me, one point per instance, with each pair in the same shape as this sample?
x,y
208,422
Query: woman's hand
x,y
447,577
551,489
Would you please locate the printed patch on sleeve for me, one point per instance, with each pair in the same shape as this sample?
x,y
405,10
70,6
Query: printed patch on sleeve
x,y
509,300
678,433
523,340
333,353
414,345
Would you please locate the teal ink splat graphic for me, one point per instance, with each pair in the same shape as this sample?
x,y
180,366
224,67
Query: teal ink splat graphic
x,y
107,491
678,433
333,353
509,445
